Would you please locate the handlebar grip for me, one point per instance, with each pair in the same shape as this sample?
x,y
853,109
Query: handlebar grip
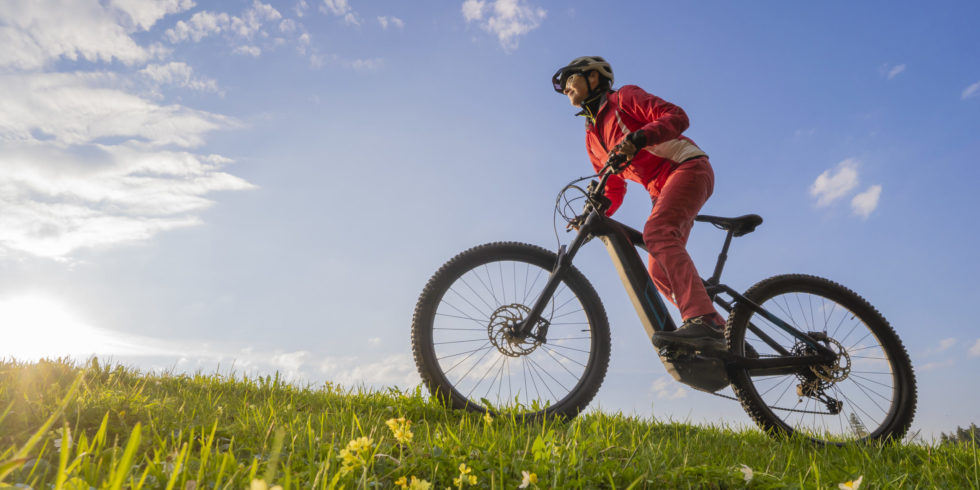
x,y
616,160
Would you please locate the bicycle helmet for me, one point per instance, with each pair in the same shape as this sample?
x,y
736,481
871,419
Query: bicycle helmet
x,y
581,64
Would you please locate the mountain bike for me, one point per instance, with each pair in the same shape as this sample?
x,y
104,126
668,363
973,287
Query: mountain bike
x,y
515,328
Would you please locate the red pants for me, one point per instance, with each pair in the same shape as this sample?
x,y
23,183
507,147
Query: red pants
x,y
666,233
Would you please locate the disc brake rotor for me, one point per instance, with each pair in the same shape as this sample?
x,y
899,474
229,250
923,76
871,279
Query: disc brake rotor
x,y
839,370
501,327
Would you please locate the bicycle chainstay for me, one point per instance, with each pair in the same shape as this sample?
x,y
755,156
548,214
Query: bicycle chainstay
x,y
795,410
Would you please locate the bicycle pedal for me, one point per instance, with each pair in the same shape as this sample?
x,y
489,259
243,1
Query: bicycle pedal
x,y
676,353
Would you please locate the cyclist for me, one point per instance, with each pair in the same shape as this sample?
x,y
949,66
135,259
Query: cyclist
x,y
673,170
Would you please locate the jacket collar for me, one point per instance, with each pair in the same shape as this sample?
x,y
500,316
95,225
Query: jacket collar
x,y
591,110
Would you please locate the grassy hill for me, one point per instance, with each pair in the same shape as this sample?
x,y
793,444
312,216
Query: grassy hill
x,y
72,427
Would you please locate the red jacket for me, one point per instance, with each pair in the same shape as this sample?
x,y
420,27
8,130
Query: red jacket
x,y
626,110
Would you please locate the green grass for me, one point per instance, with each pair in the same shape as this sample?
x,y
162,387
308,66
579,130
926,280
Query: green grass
x,y
72,427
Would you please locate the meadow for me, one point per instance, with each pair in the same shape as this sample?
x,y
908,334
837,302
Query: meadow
x,y
69,426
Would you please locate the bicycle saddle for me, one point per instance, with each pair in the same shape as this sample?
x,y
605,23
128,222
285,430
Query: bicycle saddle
x,y
741,225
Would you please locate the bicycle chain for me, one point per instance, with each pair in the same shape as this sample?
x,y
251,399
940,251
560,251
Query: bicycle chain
x,y
796,410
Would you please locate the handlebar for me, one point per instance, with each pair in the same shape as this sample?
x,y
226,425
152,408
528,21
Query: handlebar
x,y
595,194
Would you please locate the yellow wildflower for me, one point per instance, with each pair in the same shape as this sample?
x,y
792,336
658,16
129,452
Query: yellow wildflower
x,y
487,418
415,484
355,455
464,476
401,428
262,485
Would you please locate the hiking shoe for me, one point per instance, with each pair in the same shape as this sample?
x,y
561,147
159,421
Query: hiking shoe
x,y
696,332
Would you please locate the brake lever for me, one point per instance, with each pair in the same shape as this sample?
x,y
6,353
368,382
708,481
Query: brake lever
x,y
616,163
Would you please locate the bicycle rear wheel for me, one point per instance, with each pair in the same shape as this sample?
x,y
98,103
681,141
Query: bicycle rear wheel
x,y
462,343
869,392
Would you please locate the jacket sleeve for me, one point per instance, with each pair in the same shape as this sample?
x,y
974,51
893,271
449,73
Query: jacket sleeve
x,y
615,184
664,121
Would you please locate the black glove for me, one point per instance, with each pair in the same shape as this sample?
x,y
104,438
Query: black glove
x,y
638,138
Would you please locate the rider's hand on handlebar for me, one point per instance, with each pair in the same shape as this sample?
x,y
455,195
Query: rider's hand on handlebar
x,y
626,150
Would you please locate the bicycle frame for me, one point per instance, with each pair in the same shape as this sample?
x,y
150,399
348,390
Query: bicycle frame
x,y
621,242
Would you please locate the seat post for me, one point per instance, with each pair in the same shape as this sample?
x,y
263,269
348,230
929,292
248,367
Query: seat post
x,y
722,257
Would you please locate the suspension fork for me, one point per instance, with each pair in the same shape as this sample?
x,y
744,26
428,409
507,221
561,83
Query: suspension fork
x,y
565,256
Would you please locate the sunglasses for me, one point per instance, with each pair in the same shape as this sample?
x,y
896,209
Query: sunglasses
x,y
562,77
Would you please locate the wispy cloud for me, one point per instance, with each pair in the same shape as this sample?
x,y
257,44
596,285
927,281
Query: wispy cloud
x,y
975,350
866,202
85,161
248,50
507,19
240,27
943,346
835,183
341,8
665,388
971,91
199,26
367,64
35,33
179,74
891,72
385,21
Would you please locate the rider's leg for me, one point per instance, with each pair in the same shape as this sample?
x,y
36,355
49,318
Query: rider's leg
x,y
666,233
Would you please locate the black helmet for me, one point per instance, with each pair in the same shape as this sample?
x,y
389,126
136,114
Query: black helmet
x,y
581,64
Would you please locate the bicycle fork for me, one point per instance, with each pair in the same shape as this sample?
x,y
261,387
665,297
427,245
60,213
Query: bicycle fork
x,y
565,256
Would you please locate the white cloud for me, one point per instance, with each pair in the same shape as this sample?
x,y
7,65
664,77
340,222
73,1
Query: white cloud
x,y
200,25
975,350
248,50
84,163
80,108
864,203
665,388
971,91
341,8
507,19
204,24
367,64
145,13
179,74
56,202
943,346
37,32
473,10
393,21
252,19
287,25
894,71
835,183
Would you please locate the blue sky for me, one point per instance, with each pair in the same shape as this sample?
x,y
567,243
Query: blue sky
x,y
252,187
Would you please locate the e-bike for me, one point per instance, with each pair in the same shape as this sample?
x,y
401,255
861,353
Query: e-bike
x,y
517,328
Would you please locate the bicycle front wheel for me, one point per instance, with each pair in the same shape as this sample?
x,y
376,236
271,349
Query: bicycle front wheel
x,y
464,347
867,394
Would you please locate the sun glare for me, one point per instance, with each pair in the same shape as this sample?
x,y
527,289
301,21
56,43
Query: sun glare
x,y
37,326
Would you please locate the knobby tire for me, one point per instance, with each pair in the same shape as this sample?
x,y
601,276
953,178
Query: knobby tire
x,y
467,296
